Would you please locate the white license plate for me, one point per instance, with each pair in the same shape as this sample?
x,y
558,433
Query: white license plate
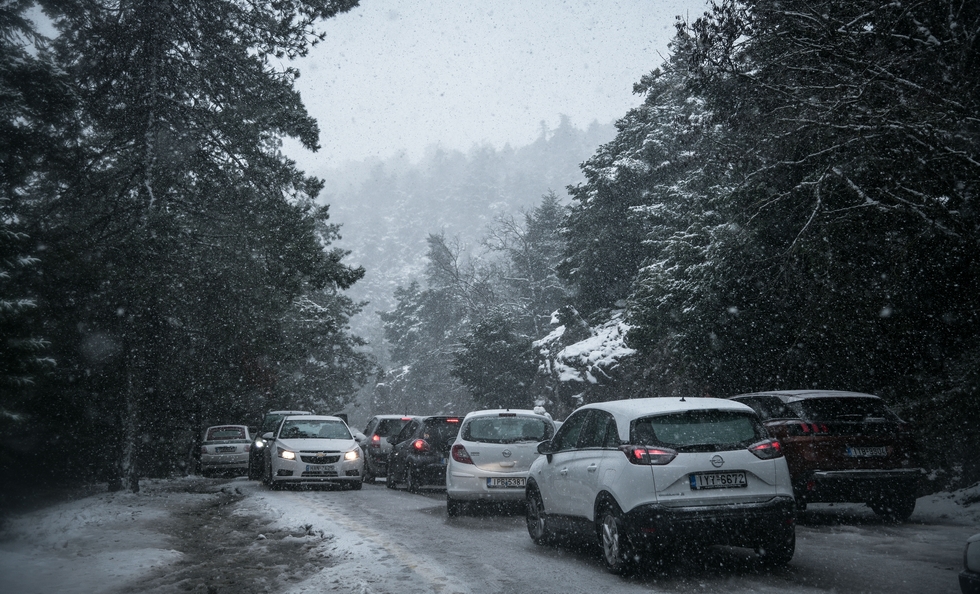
x,y
225,449
718,480
516,482
318,467
867,452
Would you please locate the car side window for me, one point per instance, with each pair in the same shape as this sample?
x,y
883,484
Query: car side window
x,y
406,432
568,436
600,431
370,427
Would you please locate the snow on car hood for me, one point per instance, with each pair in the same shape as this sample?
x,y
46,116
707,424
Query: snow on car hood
x,y
317,445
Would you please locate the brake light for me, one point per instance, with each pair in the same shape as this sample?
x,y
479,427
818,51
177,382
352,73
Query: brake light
x,y
375,441
461,455
767,450
248,447
802,428
645,456
452,420
204,449
420,445
507,414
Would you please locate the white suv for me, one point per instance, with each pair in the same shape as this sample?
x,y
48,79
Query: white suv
x,y
653,474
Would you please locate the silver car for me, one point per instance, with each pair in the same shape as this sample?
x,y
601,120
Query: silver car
x,y
491,456
225,449
313,449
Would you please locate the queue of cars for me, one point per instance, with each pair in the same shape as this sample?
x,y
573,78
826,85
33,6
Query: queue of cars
x,y
641,477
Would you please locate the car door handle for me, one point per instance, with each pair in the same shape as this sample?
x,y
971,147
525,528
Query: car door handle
x,y
592,468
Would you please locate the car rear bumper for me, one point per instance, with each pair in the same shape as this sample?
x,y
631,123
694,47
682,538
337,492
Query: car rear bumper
x,y
857,485
743,524
472,486
214,462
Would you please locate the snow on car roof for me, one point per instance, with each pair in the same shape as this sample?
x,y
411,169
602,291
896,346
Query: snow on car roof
x,y
490,412
638,407
796,395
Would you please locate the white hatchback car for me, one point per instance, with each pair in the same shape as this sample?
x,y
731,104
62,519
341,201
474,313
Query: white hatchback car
x,y
225,448
491,456
313,449
655,474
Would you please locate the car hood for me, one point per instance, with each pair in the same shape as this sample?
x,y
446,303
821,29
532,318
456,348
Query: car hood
x,y
317,445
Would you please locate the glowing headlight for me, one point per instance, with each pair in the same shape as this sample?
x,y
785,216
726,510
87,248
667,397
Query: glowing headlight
x,y
286,454
259,443
352,455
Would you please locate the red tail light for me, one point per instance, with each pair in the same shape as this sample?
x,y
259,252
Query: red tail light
x,y
248,447
647,456
452,420
204,449
461,455
375,441
767,450
420,445
802,428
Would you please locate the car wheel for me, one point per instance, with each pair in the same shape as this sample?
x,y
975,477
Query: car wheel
x,y
368,476
454,507
537,521
413,480
779,551
897,508
354,485
617,553
270,480
390,482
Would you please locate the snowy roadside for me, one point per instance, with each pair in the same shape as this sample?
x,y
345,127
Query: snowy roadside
x,y
204,535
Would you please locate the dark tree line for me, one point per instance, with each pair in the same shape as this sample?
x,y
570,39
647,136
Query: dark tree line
x,y
172,260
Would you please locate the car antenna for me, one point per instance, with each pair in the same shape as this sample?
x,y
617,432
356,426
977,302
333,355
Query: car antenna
x,y
682,399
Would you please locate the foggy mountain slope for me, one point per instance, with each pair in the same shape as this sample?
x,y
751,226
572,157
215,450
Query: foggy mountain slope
x,y
388,208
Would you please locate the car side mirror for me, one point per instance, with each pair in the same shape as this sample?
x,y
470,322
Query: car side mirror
x,y
268,436
546,448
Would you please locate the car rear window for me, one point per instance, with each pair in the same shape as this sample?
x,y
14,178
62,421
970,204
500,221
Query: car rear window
x,y
225,433
313,429
855,409
440,432
502,429
389,427
698,430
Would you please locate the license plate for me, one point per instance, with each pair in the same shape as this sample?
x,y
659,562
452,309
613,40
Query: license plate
x,y
867,452
225,449
318,468
516,482
718,480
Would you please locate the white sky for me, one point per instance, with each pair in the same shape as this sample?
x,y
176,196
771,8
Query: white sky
x,y
398,76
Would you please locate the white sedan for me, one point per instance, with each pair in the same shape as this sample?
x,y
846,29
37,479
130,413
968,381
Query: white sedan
x,y
491,456
225,449
313,449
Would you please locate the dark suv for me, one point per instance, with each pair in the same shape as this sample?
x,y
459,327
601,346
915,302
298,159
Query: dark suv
x,y
256,454
376,445
419,452
843,447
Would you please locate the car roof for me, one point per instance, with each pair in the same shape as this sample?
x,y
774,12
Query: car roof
x,y
229,426
289,412
628,410
493,412
797,395
312,417
393,416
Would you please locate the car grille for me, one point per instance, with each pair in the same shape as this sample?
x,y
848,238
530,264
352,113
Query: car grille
x,y
318,459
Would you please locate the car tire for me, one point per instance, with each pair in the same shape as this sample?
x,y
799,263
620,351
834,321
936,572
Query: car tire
x,y
895,508
454,507
354,485
368,476
617,554
412,479
390,482
538,526
779,552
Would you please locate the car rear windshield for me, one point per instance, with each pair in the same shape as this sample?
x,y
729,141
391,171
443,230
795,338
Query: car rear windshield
x,y
389,427
313,429
854,409
698,430
507,429
440,432
225,433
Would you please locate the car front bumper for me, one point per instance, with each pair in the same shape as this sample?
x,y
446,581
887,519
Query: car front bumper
x,y
297,471
742,524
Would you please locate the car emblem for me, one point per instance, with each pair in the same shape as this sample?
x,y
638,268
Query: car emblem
x,y
717,461
505,453
320,455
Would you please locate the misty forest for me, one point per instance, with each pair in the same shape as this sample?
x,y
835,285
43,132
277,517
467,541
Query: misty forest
x,y
792,203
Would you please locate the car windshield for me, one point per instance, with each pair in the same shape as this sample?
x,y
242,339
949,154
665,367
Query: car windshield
x,y
225,433
507,429
698,430
389,427
314,429
842,409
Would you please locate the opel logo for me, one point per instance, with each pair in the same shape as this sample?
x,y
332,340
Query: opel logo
x,y
505,453
717,461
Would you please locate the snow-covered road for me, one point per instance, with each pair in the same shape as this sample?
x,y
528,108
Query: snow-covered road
x,y
215,535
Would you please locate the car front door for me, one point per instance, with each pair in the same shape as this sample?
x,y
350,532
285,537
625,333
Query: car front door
x,y
598,440
398,457
555,490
